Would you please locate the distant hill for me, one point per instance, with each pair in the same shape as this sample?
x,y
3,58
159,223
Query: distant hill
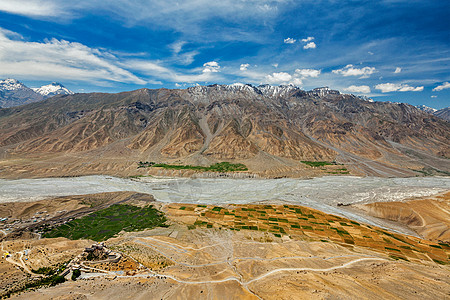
x,y
270,129
427,109
14,92
443,113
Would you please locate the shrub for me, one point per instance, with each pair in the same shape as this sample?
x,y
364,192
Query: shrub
x,y
75,274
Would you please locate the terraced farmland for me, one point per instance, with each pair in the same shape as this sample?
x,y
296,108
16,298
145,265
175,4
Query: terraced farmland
x,y
297,222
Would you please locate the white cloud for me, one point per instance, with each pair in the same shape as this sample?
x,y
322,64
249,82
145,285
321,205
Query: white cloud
x,y
154,69
308,39
397,70
407,88
186,58
186,16
350,70
32,8
182,58
211,67
433,96
362,89
444,86
310,45
279,78
177,46
59,59
244,67
289,41
62,60
395,87
296,81
10,34
303,73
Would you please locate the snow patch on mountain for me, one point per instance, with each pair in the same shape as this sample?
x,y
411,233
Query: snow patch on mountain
x,y
323,91
53,89
14,92
11,85
427,109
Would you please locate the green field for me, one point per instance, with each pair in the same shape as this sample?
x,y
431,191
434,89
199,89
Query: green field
x,y
318,163
218,167
105,223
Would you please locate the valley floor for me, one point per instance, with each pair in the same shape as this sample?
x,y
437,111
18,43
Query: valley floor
x,y
246,251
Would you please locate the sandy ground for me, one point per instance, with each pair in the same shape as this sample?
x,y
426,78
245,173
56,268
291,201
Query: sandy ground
x,y
219,263
31,254
429,216
213,264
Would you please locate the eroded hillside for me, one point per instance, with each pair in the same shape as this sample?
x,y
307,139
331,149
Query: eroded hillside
x,y
270,129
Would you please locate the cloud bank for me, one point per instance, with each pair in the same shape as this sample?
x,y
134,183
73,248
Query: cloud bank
x,y
244,67
289,41
211,67
395,87
362,89
350,70
59,59
444,86
296,78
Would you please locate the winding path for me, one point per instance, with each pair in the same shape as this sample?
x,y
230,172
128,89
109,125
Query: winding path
x,y
270,273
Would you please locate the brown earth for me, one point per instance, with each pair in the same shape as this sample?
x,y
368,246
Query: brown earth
x,y
219,264
429,217
17,269
270,129
256,251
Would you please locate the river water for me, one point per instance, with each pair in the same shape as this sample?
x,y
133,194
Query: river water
x,y
322,193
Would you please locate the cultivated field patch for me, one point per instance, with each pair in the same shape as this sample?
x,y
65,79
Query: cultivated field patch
x,y
105,223
299,222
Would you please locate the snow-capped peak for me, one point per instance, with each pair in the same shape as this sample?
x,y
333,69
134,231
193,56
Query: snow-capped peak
x,y
274,90
52,89
323,91
11,85
427,109
365,98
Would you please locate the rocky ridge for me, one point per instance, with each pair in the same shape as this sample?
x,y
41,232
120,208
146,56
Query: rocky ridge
x,y
15,93
271,129
443,113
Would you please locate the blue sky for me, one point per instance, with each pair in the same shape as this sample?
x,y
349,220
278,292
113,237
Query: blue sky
x,y
387,49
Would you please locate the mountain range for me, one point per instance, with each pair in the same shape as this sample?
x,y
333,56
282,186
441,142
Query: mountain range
x,y
441,113
14,92
271,129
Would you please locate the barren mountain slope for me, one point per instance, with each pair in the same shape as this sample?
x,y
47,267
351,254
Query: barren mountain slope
x,y
429,217
443,113
265,127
